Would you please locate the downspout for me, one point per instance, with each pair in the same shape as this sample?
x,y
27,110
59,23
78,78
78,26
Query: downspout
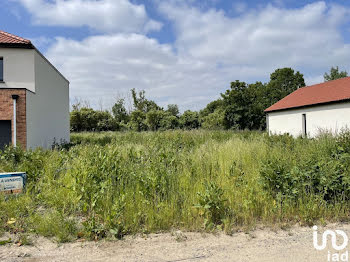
x,y
14,140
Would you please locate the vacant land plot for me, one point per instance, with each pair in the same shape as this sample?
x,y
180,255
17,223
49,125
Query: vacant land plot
x,y
108,185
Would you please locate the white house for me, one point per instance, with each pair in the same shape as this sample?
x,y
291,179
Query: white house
x,y
34,96
312,109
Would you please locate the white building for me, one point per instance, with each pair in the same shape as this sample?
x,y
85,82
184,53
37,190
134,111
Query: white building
x,y
34,96
312,109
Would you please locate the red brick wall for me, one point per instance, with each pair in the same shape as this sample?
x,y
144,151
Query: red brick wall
x,y
6,112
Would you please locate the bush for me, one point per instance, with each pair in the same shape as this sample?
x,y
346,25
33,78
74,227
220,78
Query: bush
x,y
87,119
189,120
214,121
154,118
213,203
138,121
324,173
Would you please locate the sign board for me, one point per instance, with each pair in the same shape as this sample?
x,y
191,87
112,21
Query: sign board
x,y
12,183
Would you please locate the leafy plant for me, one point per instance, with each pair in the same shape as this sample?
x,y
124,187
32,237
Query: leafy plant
x,y
213,203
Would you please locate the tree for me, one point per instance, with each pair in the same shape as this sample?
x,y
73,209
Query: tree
x,y
283,82
137,121
214,120
240,107
141,103
119,112
76,121
233,101
173,109
334,74
169,121
244,106
87,119
104,121
189,120
154,118
83,119
211,108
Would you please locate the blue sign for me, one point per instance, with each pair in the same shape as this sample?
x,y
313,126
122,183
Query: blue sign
x,y
12,183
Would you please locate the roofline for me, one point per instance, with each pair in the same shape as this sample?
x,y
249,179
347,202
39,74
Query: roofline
x,y
310,105
20,40
325,82
286,108
17,45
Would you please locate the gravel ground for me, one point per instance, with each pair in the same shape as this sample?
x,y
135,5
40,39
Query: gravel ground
x,y
294,244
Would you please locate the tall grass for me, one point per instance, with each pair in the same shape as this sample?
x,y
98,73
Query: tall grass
x,y
112,184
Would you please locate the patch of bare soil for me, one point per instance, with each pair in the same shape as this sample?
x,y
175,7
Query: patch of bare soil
x,y
294,244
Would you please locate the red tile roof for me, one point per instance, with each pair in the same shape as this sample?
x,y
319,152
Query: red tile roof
x,y
7,38
331,91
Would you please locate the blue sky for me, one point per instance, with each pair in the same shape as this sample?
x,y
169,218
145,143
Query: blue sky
x,y
183,52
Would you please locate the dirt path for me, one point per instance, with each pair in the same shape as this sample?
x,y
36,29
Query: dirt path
x,y
261,245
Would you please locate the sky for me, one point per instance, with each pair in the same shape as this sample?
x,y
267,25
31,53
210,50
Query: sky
x,y
180,52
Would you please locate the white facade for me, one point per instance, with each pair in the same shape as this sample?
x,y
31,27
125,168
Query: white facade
x,y
18,68
47,108
47,95
332,117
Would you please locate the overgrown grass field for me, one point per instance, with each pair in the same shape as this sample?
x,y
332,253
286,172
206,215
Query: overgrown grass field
x,y
113,184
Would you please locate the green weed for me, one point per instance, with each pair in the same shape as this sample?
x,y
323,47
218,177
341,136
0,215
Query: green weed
x,y
107,185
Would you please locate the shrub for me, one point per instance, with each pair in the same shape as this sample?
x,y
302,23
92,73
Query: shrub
x,y
213,203
169,122
189,120
87,119
322,172
154,118
214,120
138,121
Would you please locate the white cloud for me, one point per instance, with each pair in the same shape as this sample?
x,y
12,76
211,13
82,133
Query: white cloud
x,y
101,67
102,15
306,37
211,49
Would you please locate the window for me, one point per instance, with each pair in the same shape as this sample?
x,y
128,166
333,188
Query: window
x,y
1,69
304,126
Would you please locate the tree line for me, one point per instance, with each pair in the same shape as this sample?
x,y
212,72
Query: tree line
x,y
240,107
